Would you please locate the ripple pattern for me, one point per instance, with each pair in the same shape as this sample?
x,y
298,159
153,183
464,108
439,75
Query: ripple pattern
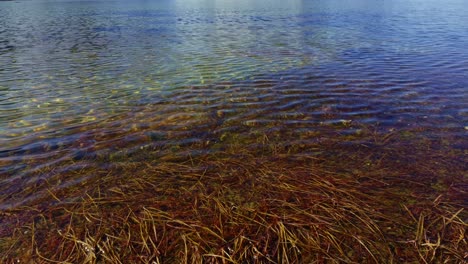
x,y
90,80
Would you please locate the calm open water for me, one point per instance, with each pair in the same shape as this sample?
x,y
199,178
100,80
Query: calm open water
x,y
80,80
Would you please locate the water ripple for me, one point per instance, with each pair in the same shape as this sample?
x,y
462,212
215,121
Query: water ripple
x,y
89,81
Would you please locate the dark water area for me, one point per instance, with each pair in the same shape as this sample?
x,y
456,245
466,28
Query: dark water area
x,y
92,83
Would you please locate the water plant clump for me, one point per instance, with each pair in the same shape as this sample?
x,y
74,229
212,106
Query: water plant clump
x,y
386,201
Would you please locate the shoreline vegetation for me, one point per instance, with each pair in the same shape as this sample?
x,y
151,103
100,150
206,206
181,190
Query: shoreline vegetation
x,y
394,197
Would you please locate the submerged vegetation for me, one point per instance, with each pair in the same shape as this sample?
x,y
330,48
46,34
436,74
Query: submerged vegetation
x,y
252,131
376,198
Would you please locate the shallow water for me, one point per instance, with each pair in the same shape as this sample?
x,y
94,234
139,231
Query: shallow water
x,y
83,80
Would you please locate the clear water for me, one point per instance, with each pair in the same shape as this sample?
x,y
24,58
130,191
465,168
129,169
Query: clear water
x,y
85,79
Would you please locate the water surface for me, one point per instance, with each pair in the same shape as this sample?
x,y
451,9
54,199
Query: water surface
x,y
92,81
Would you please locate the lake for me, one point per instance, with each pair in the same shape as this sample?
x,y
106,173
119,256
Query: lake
x,y
89,85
